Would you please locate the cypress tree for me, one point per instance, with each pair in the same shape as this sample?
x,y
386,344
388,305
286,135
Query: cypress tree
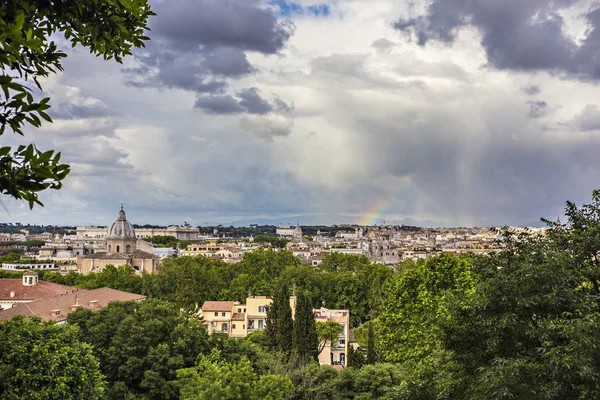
x,y
305,342
271,322
279,324
371,356
285,323
356,357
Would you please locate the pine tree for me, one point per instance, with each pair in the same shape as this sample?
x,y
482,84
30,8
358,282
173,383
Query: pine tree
x,y
371,356
305,342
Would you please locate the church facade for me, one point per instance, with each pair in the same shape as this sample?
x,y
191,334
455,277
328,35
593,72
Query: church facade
x,y
122,248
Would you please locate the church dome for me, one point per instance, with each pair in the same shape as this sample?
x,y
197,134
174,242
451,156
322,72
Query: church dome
x,y
121,227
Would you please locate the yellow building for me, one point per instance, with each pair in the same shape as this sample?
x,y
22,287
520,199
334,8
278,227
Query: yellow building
x,y
239,320
335,354
202,249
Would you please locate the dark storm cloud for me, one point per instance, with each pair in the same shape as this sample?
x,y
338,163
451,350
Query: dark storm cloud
x,y
516,34
504,175
537,109
253,103
197,45
219,105
241,24
203,72
246,100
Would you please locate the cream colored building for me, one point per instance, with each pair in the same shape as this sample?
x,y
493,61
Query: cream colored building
x,y
335,353
239,320
121,248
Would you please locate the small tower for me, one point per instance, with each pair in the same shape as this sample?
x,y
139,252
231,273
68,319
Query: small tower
x,y
30,278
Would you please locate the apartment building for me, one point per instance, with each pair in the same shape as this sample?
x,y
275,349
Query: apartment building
x,y
238,320
335,353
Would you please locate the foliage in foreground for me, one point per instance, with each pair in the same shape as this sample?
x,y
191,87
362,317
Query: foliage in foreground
x,y
108,28
42,360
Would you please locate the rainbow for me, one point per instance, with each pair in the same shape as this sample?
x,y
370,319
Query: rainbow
x,y
378,210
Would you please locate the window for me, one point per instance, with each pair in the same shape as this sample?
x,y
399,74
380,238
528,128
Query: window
x,y
251,324
224,328
342,342
222,314
260,323
216,314
239,310
244,326
233,326
261,308
118,249
244,310
342,358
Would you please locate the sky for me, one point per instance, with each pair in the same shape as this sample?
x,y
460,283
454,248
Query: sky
x,y
434,113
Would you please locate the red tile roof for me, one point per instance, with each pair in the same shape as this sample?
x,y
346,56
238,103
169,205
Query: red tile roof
x,y
91,299
218,306
40,290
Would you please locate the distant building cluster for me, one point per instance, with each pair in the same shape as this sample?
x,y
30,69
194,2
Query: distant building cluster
x,y
89,249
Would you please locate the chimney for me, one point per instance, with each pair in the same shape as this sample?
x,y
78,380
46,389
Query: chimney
x,y
74,307
55,313
12,294
93,303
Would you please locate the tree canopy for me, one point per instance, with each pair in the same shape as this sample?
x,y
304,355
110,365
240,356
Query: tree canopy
x,y
43,360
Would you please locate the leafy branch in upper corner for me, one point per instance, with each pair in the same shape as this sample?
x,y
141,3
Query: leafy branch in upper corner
x,y
108,28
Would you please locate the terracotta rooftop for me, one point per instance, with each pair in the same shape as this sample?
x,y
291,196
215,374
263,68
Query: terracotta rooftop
x,y
218,306
34,292
238,317
58,307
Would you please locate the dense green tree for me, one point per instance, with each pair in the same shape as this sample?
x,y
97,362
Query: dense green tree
x,y
279,323
123,278
215,378
356,357
140,345
42,360
371,354
274,241
416,304
163,241
530,330
189,281
108,28
328,333
305,342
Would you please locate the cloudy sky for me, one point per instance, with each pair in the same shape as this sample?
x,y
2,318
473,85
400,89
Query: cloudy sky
x,y
437,112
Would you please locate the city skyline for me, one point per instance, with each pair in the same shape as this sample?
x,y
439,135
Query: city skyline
x,y
323,112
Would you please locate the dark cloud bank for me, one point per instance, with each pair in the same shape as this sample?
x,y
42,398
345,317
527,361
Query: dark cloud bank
x,y
516,34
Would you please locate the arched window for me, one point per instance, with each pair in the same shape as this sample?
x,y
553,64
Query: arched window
x,y
128,249
118,249
109,248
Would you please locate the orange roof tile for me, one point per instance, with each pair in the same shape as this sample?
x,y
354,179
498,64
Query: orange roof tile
x,y
218,306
